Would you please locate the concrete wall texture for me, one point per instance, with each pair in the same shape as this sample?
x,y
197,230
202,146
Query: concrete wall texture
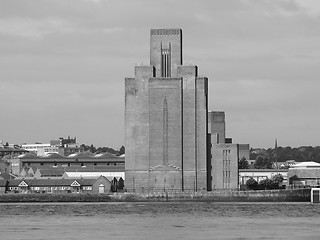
x,y
166,120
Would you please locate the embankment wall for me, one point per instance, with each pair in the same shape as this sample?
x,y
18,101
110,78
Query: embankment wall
x,y
290,195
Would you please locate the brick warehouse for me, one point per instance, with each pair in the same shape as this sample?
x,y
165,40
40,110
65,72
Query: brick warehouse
x,y
166,120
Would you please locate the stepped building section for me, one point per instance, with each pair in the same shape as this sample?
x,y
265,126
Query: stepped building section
x,y
166,120
225,155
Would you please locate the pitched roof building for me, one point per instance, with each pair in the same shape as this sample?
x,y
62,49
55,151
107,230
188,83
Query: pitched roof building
x,y
71,185
80,160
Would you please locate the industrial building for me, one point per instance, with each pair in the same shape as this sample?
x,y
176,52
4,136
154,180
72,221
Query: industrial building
x,y
166,120
225,155
30,165
168,143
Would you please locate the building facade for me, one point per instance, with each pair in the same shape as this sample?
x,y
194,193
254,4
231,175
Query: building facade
x,y
11,150
166,120
304,174
62,146
97,185
225,155
23,164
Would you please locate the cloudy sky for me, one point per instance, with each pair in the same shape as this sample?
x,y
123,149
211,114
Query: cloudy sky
x,y
63,64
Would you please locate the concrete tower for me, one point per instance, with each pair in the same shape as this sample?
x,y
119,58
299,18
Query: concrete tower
x,y
225,155
166,120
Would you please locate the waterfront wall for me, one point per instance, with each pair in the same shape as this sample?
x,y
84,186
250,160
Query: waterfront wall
x,y
283,195
289,195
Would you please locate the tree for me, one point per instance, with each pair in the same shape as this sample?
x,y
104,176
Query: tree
x,y
121,150
262,162
243,163
266,184
252,184
92,148
121,183
277,180
274,183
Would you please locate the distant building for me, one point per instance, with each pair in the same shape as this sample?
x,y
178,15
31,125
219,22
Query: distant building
x,y
87,173
29,165
251,163
304,174
10,150
52,186
67,146
166,120
225,155
61,142
36,148
287,164
49,150
62,146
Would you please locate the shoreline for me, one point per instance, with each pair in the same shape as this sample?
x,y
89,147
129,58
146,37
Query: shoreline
x,y
285,195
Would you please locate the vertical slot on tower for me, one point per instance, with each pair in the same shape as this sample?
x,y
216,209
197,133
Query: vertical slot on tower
x,y
165,132
166,61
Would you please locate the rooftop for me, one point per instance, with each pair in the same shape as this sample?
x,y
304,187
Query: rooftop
x,y
310,164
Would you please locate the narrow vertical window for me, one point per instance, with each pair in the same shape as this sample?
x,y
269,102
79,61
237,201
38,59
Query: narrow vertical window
x,y
166,62
165,132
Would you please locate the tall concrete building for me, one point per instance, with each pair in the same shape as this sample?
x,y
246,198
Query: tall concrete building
x,y
166,120
225,155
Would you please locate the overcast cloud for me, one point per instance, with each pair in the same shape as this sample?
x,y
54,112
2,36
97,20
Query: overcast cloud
x,y
63,65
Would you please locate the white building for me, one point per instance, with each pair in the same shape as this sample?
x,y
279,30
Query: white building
x,y
40,149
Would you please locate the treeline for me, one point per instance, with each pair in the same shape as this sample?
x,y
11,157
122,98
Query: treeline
x,y
95,150
282,154
265,184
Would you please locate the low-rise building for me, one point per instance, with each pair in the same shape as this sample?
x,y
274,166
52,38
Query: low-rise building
x,y
304,174
68,185
11,150
105,160
62,146
36,148
83,173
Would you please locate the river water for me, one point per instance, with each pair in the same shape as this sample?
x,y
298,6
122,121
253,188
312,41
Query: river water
x,y
166,220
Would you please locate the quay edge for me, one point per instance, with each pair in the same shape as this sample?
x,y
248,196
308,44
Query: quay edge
x,y
288,195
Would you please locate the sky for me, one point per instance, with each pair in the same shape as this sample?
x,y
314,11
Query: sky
x,y
63,65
